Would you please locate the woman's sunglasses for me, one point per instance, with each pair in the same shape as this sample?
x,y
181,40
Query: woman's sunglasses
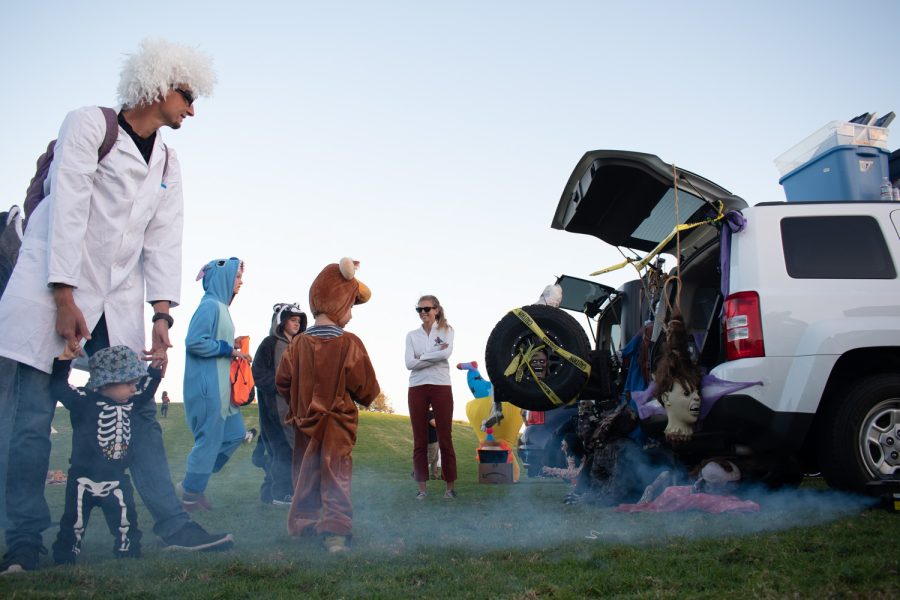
x,y
425,309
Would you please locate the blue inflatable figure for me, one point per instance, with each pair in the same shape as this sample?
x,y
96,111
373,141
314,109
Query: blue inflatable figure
x,y
482,388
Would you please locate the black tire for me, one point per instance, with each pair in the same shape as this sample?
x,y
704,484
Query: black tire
x,y
858,438
510,335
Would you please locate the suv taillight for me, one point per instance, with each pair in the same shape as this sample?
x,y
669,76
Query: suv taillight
x,y
743,326
534,417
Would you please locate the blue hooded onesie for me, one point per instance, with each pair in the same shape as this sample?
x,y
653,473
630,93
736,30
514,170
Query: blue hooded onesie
x,y
217,425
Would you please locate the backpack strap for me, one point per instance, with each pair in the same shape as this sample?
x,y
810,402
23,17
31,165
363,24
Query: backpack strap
x,y
112,131
35,192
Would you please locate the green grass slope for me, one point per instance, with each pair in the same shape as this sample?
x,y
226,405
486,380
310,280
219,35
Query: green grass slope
x,y
509,541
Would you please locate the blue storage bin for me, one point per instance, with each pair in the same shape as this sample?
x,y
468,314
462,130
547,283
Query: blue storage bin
x,y
840,173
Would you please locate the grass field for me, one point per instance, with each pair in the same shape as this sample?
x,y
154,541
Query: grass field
x,y
513,541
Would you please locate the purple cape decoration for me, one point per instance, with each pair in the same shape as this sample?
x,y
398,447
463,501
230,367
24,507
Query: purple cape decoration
x,y
711,390
734,223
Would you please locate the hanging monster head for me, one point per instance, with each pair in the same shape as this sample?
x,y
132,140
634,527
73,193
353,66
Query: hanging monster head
x,y
683,409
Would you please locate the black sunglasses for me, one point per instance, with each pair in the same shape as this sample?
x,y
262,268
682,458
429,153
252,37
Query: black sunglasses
x,y
425,309
188,97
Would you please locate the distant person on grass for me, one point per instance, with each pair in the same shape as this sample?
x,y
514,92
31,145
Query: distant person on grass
x,y
101,439
323,373
215,422
428,349
164,408
106,239
277,488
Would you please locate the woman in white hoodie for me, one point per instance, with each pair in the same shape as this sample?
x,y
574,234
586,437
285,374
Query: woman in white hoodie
x,y
428,349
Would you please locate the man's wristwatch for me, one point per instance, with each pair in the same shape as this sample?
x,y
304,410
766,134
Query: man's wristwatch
x,y
163,317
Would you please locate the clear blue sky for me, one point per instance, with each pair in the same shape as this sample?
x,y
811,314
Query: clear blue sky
x,y
433,139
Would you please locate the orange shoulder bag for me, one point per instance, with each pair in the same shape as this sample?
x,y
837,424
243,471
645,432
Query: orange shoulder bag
x,y
241,375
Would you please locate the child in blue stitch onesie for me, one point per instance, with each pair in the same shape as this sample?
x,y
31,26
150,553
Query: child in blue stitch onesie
x,y
216,423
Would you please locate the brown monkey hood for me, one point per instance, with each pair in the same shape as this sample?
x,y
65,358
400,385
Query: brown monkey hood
x,y
336,289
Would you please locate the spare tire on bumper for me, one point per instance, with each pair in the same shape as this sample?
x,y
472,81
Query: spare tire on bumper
x,y
511,336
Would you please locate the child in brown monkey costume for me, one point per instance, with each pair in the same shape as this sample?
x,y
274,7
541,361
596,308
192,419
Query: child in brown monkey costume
x,y
322,373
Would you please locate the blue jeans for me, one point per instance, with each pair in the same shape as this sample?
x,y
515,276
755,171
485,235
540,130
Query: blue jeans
x,y
29,458
7,416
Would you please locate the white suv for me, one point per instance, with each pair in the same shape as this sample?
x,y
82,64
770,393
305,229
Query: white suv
x,y
809,305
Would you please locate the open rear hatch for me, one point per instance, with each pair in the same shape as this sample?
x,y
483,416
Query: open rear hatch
x,y
629,199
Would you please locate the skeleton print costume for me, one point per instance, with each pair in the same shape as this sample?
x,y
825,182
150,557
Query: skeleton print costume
x,y
101,436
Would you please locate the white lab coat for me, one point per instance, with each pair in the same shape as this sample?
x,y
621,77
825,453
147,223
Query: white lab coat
x,y
112,230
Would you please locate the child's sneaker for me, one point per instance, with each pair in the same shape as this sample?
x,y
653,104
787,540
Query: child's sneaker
x,y
450,494
192,537
335,544
284,501
421,495
191,501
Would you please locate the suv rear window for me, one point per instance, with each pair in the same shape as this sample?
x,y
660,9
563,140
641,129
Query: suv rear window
x,y
843,247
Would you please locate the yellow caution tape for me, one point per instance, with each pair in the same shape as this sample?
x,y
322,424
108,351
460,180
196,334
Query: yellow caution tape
x,y
523,359
646,260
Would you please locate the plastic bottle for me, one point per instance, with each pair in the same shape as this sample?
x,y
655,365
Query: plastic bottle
x,y
887,191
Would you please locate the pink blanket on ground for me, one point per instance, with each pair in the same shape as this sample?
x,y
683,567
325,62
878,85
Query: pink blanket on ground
x,y
679,497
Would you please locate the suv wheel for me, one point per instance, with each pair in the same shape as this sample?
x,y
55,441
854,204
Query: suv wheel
x,y
510,336
860,441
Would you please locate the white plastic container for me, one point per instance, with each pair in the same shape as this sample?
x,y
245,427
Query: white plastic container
x,y
836,133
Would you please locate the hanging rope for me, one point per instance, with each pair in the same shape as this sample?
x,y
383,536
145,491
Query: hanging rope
x,y
677,241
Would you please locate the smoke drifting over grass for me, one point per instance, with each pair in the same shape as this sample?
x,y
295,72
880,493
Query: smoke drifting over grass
x,y
531,515
388,520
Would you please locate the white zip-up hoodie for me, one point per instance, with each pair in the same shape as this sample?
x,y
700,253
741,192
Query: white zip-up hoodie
x,y
426,362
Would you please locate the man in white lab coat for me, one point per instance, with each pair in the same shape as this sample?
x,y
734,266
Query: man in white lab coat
x,y
106,238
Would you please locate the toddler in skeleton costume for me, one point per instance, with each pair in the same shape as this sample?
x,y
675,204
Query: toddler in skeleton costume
x,y
101,434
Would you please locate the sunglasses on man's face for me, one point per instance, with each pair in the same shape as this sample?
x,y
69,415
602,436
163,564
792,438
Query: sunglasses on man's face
x,y
188,97
424,309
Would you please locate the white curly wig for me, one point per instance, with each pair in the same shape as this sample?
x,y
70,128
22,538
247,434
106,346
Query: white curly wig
x,y
158,66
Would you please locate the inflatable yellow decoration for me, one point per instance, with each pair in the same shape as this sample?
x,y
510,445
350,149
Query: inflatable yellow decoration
x,y
479,409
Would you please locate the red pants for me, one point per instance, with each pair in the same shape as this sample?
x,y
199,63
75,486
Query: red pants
x,y
440,399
